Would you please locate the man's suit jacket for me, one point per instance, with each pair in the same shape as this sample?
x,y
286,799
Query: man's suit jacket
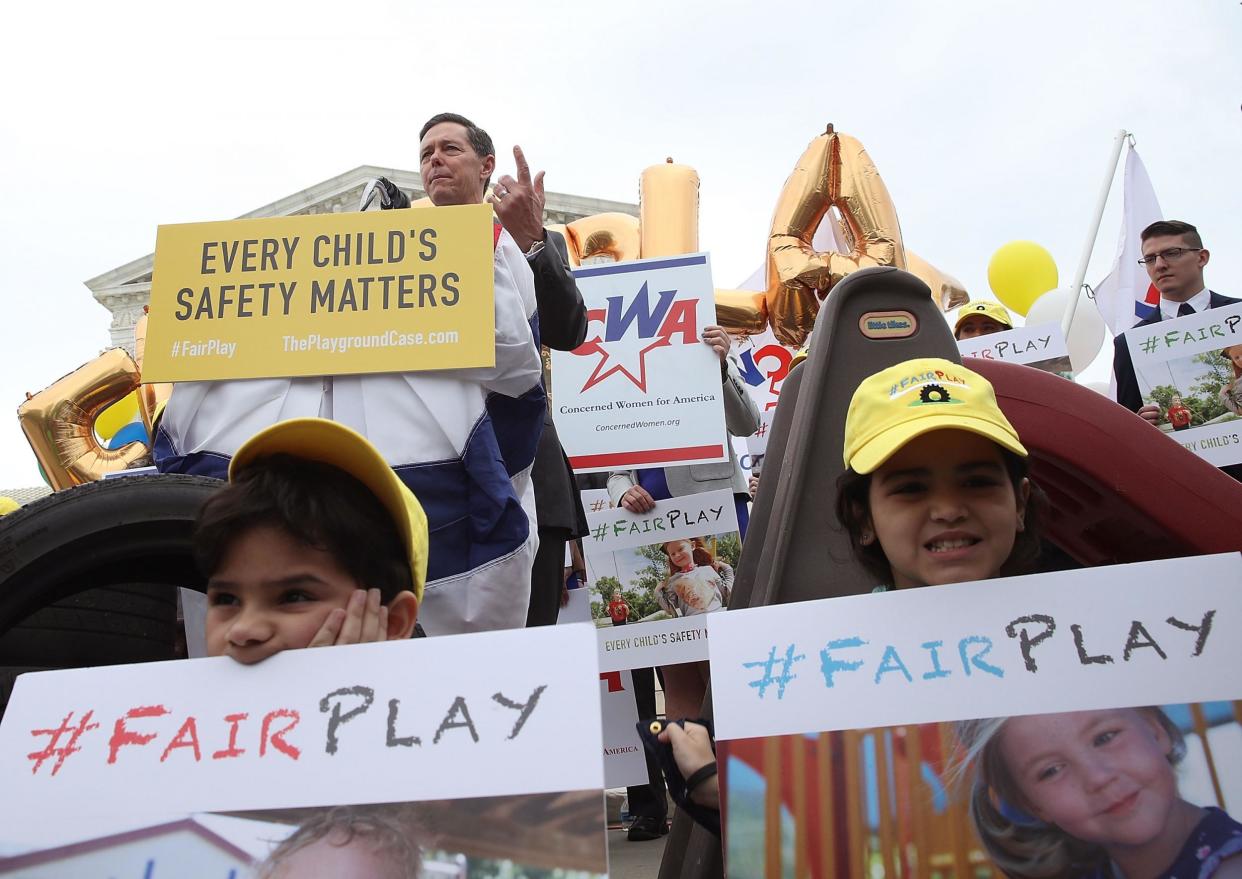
x,y
1128,393
563,326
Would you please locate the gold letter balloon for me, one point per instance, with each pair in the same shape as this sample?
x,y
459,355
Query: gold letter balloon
x,y
59,422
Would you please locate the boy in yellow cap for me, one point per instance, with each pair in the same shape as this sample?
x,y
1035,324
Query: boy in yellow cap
x,y
314,542
936,489
981,319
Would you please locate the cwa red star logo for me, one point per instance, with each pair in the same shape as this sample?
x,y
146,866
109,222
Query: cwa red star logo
x,y
640,321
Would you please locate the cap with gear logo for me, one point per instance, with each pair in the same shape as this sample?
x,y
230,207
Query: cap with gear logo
x,y
994,310
328,442
916,397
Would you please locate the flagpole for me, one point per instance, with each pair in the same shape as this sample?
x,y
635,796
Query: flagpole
x,y
1067,320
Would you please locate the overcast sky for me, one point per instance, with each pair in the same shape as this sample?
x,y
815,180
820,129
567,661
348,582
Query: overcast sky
x,y
988,121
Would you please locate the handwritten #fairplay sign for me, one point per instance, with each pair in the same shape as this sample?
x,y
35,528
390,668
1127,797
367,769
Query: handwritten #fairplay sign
x,y
436,718
643,390
325,294
662,571
1019,645
1042,347
1190,367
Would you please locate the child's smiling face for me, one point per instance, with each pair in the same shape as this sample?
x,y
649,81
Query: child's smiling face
x,y
270,593
680,553
1100,776
944,509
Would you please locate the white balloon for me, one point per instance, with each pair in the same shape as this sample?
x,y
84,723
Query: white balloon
x,y
1086,336
1099,388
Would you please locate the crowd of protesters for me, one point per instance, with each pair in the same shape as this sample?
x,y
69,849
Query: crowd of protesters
x,y
353,528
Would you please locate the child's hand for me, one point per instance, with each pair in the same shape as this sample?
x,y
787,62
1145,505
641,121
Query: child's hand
x,y
363,621
692,750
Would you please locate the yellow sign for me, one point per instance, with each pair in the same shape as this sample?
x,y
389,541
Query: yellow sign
x,y
325,294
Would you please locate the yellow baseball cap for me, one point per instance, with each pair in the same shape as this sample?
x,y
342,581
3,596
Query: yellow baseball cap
x,y
910,399
985,307
318,439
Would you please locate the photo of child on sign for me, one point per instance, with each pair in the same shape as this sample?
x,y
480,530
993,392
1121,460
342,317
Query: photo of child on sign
x,y
1194,391
1189,368
544,834
1119,792
697,582
638,577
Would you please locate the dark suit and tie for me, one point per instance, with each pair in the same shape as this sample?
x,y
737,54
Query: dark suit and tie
x,y
558,506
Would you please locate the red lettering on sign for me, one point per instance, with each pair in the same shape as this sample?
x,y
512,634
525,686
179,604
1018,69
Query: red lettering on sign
x,y
186,737
278,738
121,736
232,750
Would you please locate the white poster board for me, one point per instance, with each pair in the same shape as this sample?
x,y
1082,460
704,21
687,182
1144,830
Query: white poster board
x,y
643,390
1138,634
624,762
764,364
1042,347
1182,366
112,752
1074,706
628,553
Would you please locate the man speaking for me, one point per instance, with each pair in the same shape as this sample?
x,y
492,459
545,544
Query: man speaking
x,y
456,162
470,468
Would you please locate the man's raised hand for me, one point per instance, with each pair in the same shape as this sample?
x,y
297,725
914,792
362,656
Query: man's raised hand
x,y
519,203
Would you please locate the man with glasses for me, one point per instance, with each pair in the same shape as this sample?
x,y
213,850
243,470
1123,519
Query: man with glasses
x,y
1174,256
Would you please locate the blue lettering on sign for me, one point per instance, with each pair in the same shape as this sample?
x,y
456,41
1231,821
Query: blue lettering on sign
x,y
649,319
767,678
977,658
892,662
937,671
830,665
777,667
665,320
750,373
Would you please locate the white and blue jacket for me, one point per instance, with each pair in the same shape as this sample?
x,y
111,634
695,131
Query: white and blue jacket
x,y
463,440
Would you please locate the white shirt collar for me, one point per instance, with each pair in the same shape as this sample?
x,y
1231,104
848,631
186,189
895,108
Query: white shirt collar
x,y
1201,301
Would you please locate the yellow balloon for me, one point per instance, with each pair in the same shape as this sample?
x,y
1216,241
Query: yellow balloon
x,y
1020,272
8,505
116,416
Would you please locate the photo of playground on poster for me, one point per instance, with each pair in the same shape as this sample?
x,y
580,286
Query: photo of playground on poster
x,y
1191,368
654,576
898,801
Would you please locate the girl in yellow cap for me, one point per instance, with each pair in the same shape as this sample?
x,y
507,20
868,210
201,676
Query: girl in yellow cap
x,y
936,488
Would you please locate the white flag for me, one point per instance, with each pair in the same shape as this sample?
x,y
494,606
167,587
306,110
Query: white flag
x,y
1127,295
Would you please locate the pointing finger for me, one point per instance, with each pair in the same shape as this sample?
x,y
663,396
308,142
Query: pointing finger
x,y
523,169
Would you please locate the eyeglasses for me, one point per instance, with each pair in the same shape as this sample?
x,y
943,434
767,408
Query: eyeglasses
x,y
1167,255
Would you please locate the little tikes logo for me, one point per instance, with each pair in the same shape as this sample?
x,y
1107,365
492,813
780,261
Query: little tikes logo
x,y
665,323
